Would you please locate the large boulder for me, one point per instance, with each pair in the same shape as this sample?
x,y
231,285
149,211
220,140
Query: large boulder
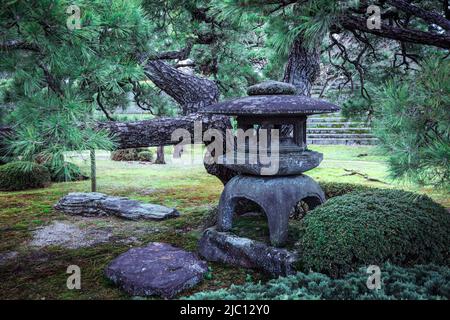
x,y
157,269
228,248
99,204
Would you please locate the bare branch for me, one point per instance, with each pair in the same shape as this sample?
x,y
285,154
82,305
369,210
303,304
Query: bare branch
x,y
100,104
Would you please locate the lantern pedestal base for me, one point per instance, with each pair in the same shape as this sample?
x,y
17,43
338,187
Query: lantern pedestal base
x,y
277,196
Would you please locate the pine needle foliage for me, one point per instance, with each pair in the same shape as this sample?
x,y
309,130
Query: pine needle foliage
x,y
410,114
413,124
62,76
421,282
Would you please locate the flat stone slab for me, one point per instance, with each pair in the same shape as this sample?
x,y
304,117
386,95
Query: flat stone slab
x,y
99,204
157,269
227,248
69,236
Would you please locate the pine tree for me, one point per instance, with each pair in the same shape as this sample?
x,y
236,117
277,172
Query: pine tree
x,y
60,77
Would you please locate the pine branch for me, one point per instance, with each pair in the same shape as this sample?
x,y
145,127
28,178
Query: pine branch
x,y
182,54
351,22
18,45
365,176
100,104
428,16
52,82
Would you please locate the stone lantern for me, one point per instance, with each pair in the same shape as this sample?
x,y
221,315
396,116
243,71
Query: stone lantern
x,y
271,105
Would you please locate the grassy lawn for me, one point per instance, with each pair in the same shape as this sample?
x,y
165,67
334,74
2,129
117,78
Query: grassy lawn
x,y
40,273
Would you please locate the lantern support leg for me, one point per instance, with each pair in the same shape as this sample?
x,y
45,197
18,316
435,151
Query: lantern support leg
x,y
277,197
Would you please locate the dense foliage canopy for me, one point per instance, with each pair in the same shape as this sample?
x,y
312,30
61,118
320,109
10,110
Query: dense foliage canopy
x,y
171,57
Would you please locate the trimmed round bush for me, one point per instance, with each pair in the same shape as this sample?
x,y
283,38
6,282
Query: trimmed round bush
x,y
22,175
373,227
145,156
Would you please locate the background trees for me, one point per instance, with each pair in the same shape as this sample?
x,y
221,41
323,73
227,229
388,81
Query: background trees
x,y
58,80
380,72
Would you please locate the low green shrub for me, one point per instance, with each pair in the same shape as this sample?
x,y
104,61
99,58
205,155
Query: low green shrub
x,y
415,283
22,175
373,227
336,189
66,172
131,154
145,156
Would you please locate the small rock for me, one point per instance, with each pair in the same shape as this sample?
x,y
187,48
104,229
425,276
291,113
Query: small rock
x,y
271,88
157,269
130,240
147,192
227,248
7,256
99,204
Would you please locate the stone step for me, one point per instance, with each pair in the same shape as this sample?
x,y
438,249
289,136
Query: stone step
x,y
325,115
157,269
343,141
337,125
338,131
330,119
340,136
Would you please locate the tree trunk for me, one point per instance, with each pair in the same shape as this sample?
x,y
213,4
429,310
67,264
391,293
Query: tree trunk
x,y
93,171
303,67
160,155
301,70
191,92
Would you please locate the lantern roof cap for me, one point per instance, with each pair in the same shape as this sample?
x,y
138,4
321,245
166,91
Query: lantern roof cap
x,y
274,99
271,87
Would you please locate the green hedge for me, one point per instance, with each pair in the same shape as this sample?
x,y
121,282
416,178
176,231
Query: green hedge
x,y
132,154
416,283
22,175
146,156
373,227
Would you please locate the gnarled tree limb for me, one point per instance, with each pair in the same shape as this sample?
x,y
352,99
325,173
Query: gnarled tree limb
x,y
191,92
428,16
350,22
156,132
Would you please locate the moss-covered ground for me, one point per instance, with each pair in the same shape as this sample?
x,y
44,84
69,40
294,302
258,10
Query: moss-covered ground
x,y
40,273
